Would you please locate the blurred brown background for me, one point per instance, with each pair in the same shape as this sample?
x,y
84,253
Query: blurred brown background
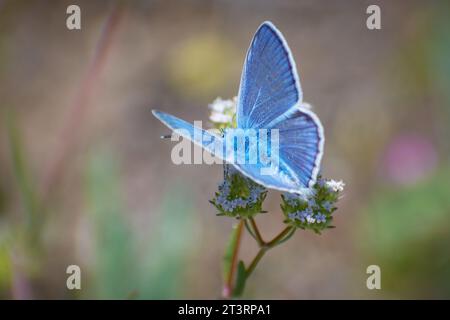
x,y
87,181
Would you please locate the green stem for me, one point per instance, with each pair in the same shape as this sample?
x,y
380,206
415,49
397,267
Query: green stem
x,y
249,229
265,247
286,237
279,237
228,287
259,239
255,261
252,228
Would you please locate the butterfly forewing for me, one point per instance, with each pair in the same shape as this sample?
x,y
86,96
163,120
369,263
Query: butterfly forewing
x,y
269,83
269,97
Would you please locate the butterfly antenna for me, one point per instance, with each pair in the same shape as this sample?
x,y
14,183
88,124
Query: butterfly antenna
x,y
167,136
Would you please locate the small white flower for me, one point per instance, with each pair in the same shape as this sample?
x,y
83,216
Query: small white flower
x,y
221,105
222,111
336,186
220,117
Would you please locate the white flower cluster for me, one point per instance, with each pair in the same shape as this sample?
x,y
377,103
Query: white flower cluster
x,y
336,186
222,111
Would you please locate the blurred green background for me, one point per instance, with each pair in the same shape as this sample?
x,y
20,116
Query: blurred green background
x,y
87,181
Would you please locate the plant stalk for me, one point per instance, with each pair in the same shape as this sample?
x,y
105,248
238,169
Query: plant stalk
x,y
228,287
259,239
265,247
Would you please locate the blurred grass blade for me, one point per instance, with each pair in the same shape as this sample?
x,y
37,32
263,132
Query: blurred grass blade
x,y
169,244
78,109
114,265
127,266
24,182
6,271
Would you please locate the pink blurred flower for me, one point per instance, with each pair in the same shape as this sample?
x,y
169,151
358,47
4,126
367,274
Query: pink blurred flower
x,y
409,158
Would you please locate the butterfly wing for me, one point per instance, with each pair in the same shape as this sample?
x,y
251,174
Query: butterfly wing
x,y
208,141
301,145
300,151
270,97
270,87
278,181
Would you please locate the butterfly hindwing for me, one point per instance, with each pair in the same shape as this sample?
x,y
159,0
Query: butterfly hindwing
x,y
279,180
301,145
300,148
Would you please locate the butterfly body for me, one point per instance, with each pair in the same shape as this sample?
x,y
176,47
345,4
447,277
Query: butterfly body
x,y
277,141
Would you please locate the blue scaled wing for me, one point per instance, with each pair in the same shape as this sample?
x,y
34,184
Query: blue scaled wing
x,y
270,87
210,142
270,97
300,151
301,141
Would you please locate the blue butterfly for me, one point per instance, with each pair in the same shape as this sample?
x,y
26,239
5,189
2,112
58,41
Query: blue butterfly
x,y
270,97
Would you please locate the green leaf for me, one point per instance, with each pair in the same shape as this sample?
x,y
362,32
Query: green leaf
x,y
240,280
